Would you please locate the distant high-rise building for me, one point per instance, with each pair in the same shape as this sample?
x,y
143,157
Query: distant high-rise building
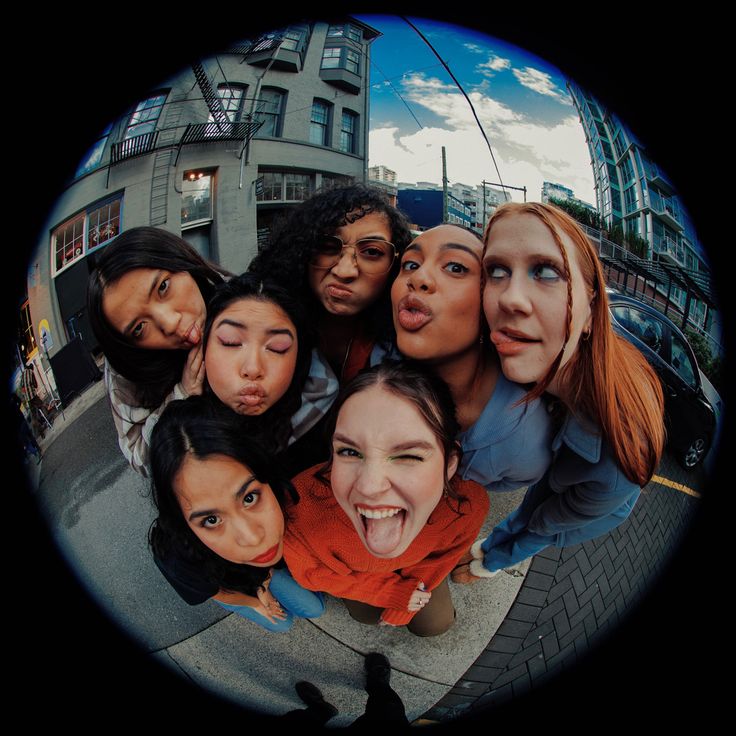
x,y
385,179
633,192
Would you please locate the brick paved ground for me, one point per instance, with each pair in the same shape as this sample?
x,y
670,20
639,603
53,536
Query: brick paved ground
x,y
571,598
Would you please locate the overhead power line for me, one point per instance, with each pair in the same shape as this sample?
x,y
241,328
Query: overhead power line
x,y
460,87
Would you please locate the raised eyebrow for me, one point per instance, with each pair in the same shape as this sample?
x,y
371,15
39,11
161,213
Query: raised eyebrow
x,y
211,512
460,246
154,283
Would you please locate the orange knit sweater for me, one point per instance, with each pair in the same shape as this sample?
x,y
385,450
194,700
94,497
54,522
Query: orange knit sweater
x,y
324,553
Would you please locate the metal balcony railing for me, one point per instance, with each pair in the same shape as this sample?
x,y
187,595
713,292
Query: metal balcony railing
x,y
205,132
136,146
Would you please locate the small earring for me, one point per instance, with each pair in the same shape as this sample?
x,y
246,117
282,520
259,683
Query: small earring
x,y
586,335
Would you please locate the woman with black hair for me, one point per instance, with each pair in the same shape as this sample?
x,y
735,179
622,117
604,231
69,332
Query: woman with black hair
x,y
339,251
260,363
146,301
220,525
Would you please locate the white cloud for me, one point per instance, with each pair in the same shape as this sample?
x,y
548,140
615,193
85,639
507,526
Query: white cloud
x,y
420,84
540,82
526,151
494,64
474,48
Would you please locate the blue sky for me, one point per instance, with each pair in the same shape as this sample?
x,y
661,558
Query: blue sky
x,y
521,100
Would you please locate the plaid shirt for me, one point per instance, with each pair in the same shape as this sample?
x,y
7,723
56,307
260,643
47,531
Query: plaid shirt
x,y
134,423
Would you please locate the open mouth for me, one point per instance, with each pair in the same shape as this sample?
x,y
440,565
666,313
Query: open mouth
x,y
510,342
383,527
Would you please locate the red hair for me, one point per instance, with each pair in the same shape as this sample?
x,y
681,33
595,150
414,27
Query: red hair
x,y
607,379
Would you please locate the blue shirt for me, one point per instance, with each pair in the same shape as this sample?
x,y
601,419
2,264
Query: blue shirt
x,y
510,445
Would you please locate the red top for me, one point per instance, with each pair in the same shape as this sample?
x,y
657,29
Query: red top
x,y
324,552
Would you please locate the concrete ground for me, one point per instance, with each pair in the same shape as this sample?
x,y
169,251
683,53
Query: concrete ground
x,y
513,632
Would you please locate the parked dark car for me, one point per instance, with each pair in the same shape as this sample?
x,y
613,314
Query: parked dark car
x,y
690,418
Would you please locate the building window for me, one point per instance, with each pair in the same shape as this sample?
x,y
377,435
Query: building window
x,y
270,109
294,38
345,31
631,201
84,232
196,198
349,132
145,116
26,338
93,157
341,57
280,186
103,223
231,96
319,124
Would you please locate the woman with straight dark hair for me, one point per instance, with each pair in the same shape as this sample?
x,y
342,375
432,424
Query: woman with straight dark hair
x,y
220,525
386,520
261,364
338,251
146,301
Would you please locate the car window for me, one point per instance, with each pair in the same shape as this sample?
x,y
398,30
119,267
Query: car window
x,y
641,325
682,362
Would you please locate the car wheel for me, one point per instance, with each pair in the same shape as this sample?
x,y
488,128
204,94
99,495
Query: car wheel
x,y
695,453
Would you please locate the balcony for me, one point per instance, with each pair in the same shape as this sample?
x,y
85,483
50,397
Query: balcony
x,y
669,250
283,51
667,210
139,145
206,132
658,178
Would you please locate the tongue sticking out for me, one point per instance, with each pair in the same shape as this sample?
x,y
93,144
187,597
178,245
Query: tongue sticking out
x,y
383,535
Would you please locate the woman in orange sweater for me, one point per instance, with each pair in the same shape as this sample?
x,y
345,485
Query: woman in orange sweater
x,y
386,520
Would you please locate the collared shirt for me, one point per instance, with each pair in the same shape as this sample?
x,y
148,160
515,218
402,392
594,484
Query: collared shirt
x,y
134,424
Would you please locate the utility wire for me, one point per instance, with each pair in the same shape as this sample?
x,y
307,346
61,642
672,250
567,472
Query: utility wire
x,y
460,87
398,94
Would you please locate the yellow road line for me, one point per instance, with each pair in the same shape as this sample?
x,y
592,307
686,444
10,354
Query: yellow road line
x,y
672,484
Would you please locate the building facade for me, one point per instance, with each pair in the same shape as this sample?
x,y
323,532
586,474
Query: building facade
x,y
385,179
424,208
633,192
214,154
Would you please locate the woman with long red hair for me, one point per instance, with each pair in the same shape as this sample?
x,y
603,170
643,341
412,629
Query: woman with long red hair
x,y
545,301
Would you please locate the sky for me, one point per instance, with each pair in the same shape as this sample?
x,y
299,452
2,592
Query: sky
x,y
520,99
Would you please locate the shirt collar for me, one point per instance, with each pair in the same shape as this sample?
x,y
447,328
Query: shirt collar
x,y
581,436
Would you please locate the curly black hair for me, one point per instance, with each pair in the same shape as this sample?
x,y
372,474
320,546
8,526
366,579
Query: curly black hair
x,y
272,428
285,258
197,427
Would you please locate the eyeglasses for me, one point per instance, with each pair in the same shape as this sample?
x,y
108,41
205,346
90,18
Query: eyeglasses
x,y
372,256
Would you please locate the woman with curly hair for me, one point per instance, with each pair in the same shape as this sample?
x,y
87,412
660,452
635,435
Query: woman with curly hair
x,y
546,305
220,526
339,251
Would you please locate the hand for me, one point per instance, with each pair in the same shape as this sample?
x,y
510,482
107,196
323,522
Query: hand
x,y
192,377
461,574
268,606
419,598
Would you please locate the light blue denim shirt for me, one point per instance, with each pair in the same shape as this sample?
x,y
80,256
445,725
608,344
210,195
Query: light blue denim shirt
x,y
510,445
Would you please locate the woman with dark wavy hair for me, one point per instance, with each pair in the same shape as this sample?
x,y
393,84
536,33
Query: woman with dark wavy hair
x,y
146,301
339,251
261,364
220,526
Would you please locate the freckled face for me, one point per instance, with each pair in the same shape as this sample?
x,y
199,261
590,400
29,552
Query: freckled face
x,y
344,289
388,477
250,355
436,297
230,510
525,298
156,309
